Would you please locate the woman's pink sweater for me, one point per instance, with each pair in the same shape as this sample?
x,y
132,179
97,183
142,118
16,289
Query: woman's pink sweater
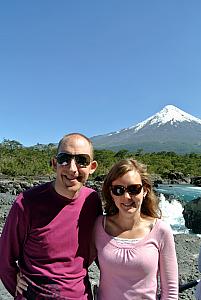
x,y
130,270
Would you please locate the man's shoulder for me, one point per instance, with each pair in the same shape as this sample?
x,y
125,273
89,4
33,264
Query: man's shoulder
x,y
92,200
36,190
90,193
88,190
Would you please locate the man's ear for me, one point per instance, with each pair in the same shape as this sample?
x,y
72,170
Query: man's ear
x,y
93,166
53,163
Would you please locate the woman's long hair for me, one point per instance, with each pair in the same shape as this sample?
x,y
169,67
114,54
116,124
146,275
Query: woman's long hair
x,y
150,202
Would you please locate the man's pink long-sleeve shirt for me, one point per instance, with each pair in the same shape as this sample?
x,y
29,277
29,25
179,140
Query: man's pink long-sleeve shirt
x,y
49,235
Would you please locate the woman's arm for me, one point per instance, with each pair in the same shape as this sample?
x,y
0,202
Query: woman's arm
x,y
168,266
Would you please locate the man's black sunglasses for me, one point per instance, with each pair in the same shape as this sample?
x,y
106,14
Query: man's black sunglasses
x,y
133,189
82,160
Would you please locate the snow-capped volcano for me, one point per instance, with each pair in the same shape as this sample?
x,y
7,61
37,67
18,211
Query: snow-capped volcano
x,y
171,129
169,113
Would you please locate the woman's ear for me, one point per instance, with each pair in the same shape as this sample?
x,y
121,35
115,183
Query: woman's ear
x,y
93,166
144,193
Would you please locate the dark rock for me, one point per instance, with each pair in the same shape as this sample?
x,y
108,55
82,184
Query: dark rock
x,y
192,215
100,177
17,185
196,180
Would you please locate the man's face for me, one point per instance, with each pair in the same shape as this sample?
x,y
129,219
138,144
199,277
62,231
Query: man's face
x,y
71,177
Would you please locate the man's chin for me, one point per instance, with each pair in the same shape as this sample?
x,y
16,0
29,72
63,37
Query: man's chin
x,y
73,191
74,186
69,182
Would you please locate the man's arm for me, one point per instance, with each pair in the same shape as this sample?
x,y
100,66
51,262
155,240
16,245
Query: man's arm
x,y
11,245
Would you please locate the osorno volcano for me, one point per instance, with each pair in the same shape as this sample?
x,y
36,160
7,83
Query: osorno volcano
x,y
171,129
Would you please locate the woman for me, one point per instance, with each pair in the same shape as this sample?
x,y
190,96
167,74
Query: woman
x,y
135,248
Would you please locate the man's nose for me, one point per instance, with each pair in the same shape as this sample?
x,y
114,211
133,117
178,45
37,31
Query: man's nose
x,y
73,165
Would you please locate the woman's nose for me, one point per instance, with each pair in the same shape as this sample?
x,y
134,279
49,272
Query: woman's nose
x,y
127,195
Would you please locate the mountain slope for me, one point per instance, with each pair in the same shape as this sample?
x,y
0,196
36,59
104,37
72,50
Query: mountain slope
x,y
171,129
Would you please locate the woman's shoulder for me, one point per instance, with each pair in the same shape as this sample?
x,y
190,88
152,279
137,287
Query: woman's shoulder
x,y
163,224
163,228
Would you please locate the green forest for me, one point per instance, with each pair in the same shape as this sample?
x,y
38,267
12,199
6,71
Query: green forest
x,y
17,160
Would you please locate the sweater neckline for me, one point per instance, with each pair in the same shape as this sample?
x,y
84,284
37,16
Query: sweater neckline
x,y
113,240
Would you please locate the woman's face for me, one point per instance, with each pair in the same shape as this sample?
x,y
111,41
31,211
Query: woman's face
x,y
131,199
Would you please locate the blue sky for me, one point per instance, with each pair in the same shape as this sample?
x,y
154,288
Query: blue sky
x,y
95,66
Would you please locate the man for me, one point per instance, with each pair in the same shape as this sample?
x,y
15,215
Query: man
x,y
48,230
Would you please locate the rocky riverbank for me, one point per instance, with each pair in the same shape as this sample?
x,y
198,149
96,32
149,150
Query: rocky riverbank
x,y
187,248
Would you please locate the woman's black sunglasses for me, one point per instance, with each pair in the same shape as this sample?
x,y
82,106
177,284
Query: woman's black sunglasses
x,y
133,189
82,160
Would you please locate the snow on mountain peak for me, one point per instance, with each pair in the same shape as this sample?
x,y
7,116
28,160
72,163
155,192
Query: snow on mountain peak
x,y
169,113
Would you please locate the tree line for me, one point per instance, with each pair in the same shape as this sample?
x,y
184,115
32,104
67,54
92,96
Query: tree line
x,y
17,160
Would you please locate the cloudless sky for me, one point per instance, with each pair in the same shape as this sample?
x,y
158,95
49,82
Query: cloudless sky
x,y
95,66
